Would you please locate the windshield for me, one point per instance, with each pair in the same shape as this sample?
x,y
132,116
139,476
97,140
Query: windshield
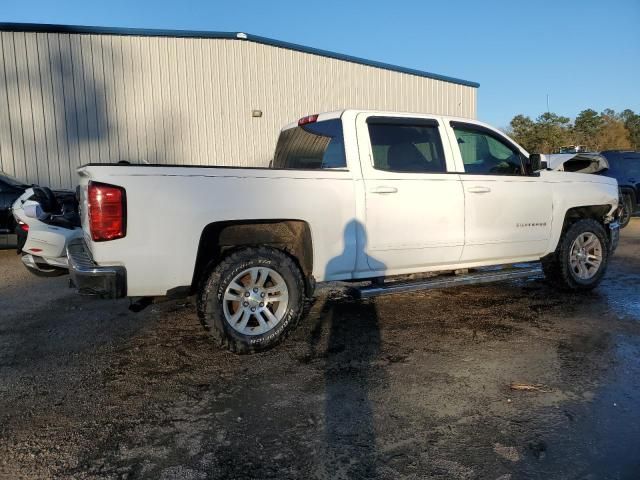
x,y
12,181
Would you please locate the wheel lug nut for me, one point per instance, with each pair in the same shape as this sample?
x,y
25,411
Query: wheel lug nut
x,y
246,304
246,294
255,289
262,304
262,294
253,309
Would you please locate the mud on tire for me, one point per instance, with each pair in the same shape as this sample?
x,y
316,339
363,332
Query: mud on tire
x,y
558,268
227,295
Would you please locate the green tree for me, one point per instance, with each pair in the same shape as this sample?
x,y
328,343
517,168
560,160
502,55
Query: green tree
x,y
524,131
632,124
612,135
597,131
586,127
553,132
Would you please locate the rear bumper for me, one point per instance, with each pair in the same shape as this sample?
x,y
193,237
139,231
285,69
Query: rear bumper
x,y
92,279
34,262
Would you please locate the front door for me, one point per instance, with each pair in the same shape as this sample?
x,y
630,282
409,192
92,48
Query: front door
x,y
414,208
507,213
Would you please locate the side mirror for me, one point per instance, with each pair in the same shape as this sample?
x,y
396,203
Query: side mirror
x,y
34,210
536,162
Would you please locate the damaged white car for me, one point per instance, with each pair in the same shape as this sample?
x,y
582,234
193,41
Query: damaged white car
x,y
580,162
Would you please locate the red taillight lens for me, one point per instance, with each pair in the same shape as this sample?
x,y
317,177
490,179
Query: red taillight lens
x,y
23,226
107,212
308,119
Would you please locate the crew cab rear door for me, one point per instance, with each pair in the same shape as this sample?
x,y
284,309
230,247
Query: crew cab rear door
x,y
414,208
507,213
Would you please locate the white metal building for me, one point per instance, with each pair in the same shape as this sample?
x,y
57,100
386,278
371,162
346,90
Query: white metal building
x,y
73,95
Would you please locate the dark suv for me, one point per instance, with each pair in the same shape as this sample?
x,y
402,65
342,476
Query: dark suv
x,y
624,166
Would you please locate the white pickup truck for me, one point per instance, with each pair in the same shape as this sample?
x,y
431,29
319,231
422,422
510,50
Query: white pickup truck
x,y
352,196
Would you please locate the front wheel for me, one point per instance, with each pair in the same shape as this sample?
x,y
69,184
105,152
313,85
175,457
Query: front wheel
x,y
627,210
581,259
252,299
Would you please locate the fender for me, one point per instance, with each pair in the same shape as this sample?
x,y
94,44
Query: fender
x,y
579,195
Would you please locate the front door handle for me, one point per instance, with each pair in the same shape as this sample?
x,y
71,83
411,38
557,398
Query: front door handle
x,y
478,189
384,190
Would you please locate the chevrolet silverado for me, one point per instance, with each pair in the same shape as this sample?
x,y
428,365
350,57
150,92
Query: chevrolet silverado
x,y
358,196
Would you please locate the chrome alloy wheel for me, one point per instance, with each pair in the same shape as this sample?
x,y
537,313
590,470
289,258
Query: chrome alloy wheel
x,y
255,301
586,256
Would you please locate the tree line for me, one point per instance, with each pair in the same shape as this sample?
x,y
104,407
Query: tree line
x,y
549,132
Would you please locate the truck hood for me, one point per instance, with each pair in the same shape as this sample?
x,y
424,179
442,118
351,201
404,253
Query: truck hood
x,y
559,176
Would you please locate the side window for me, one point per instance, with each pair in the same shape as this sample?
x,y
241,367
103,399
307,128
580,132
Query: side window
x,y
406,147
311,146
483,153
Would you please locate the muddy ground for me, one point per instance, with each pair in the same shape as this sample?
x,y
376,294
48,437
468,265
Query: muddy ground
x,y
409,386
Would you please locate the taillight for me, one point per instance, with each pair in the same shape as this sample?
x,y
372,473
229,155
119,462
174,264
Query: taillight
x,y
308,119
23,226
107,212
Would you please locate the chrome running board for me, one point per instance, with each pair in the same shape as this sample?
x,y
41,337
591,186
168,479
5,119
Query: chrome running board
x,y
477,277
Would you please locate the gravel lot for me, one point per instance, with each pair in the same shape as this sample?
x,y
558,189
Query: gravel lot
x,y
409,386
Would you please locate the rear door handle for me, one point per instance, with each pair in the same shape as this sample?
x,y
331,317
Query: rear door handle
x,y
384,190
479,189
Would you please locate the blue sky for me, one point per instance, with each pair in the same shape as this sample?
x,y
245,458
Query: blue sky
x,y
582,53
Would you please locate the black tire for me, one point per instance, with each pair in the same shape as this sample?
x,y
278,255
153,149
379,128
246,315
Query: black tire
x,y
557,267
211,293
627,210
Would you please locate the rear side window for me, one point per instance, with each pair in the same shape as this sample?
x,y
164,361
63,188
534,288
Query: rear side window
x,y
312,146
403,146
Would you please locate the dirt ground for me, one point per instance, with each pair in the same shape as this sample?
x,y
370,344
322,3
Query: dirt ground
x,y
407,386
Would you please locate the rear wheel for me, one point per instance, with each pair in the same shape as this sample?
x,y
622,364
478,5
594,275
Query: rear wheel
x,y
252,299
581,258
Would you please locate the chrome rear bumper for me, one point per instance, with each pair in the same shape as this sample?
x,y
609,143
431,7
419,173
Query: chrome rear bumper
x,y
92,279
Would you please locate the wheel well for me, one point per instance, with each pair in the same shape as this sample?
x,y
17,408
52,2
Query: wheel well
x,y
290,236
594,212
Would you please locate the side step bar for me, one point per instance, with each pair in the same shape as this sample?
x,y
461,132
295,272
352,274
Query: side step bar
x,y
484,276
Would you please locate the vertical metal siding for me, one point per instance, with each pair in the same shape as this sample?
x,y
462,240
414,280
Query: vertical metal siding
x,y
69,99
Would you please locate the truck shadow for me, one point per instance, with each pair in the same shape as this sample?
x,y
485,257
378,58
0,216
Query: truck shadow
x,y
350,373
